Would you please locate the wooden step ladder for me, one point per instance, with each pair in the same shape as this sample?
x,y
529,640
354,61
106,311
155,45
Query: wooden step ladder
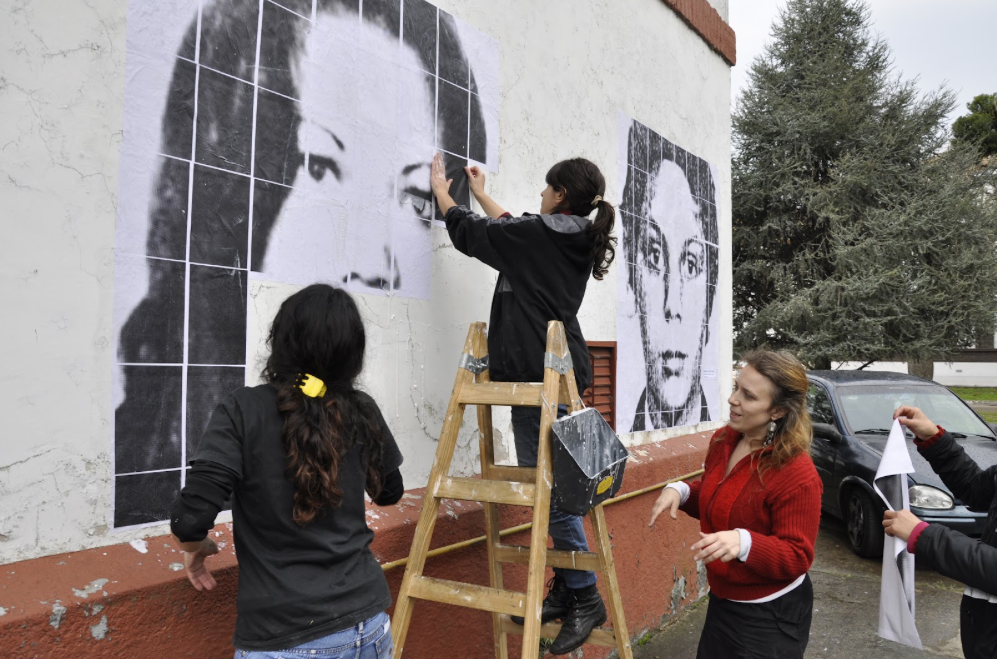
x,y
517,486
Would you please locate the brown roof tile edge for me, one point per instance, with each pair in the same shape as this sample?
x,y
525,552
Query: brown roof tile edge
x,y
707,23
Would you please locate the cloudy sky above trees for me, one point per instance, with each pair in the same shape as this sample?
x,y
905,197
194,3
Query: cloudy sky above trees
x,y
940,43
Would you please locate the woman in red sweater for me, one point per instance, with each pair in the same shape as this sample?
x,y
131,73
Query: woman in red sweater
x,y
758,504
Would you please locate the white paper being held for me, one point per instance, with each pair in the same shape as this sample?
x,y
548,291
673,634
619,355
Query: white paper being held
x,y
896,602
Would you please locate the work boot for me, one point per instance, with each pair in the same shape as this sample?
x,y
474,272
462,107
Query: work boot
x,y
556,602
585,612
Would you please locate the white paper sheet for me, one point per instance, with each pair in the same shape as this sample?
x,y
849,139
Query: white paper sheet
x,y
896,601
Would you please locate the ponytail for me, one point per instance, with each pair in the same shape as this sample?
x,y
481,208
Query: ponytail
x,y
583,186
315,441
319,331
603,240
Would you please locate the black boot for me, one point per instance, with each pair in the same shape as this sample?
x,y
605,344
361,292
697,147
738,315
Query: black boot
x,y
585,613
555,604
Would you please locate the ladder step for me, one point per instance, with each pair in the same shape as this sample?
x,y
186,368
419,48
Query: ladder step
x,y
569,560
477,489
599,635
523,394
515,474
468,595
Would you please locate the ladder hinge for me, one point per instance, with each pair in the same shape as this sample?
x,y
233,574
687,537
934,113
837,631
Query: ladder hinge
x,y
473,364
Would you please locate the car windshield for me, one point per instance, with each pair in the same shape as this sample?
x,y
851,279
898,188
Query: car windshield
x,y
870,408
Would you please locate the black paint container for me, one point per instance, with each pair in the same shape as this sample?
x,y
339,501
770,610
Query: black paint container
x,y
588,464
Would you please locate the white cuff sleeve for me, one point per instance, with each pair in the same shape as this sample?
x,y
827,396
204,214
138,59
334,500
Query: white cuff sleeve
x,y
745,544
681,488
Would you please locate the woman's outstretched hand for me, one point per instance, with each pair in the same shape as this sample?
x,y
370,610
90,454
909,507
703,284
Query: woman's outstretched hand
x,y
669,500
475,180
197,572
916,420
725,545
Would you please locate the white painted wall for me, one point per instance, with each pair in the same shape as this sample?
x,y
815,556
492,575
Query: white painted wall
x,y
567,67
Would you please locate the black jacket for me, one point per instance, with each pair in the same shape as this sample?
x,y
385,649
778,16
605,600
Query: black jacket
x,y
544,263
973,562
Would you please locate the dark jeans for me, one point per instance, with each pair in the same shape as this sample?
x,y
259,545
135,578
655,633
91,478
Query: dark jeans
x,y
566,530
978,626
779,629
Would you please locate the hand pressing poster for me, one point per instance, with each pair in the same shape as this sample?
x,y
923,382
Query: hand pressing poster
x,y
281,140
667,318
896,602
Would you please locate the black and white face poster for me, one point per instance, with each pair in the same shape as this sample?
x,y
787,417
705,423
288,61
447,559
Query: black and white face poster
x,y
276,140
667,326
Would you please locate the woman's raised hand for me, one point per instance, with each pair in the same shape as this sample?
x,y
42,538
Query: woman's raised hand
x,y
475,180
438,177
669,500
916,420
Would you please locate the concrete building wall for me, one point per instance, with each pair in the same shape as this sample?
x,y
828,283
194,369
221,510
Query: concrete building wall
x,y
566,68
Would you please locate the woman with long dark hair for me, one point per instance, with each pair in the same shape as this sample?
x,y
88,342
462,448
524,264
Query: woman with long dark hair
x,y
298,453
758,505
544,262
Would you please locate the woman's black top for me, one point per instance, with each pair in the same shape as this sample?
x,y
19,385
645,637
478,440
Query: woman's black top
x,y
296,584
544,264
969,560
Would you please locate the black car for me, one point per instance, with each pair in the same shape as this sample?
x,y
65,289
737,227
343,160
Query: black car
x,y
852,412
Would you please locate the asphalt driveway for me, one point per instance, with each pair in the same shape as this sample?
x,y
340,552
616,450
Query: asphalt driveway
x,y
846,611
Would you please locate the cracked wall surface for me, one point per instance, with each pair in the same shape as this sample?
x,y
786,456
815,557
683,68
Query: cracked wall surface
x,y
566,68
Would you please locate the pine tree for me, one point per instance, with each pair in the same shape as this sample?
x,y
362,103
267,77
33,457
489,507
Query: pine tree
x,y
858,233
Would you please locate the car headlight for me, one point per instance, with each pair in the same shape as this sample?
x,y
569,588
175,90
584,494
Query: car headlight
x,y
925,496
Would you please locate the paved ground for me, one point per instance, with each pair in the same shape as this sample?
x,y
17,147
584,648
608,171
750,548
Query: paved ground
x,y
846,611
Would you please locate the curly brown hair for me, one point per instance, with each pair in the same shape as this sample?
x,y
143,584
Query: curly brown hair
x,y
319,331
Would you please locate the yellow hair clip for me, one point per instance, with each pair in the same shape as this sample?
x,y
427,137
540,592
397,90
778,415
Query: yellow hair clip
x,y
311,386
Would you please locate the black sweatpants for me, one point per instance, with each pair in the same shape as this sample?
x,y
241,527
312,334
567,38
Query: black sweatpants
x,y
978,627
779,629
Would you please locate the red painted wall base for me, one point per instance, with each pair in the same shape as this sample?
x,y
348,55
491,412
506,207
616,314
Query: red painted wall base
x,y
115,602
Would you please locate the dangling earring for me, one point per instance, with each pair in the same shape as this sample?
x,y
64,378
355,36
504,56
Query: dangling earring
x,y
770,436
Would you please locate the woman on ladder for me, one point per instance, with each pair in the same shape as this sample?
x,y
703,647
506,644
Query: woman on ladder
x,y
544,261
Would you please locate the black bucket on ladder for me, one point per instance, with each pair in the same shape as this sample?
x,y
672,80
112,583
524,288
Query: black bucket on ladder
x,y
588,462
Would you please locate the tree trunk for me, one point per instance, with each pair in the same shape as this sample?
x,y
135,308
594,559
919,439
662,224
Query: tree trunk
x,y
922,369
985,338
822,364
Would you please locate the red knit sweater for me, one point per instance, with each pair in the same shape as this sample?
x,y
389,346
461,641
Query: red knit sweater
x,y
782,514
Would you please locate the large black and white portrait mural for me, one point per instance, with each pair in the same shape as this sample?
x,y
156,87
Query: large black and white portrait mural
x,y
667,326
278,140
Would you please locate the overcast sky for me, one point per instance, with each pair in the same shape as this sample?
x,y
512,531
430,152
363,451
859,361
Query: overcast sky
x,y
950,42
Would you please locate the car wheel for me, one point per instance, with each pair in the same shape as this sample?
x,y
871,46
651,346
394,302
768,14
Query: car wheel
x,y
864,522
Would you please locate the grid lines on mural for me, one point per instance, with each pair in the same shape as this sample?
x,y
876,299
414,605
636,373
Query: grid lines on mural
x,y
671,258
228,160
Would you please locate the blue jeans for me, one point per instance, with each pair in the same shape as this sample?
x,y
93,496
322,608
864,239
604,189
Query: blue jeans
x,y
371,639
566,530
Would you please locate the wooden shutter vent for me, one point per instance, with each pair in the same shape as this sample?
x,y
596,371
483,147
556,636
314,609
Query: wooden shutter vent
x,y
602,394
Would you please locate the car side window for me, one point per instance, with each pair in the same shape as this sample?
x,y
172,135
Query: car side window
x,y
819,405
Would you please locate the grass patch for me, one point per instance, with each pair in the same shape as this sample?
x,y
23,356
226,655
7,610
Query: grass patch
x,y
989,417
643,640
975,393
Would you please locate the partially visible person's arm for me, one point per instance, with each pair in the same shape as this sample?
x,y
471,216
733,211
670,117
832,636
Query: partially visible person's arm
x,y
974,486
958,557
208,487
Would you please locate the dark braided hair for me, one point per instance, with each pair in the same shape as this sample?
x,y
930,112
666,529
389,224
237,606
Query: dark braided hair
x,y
319,331
581,182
